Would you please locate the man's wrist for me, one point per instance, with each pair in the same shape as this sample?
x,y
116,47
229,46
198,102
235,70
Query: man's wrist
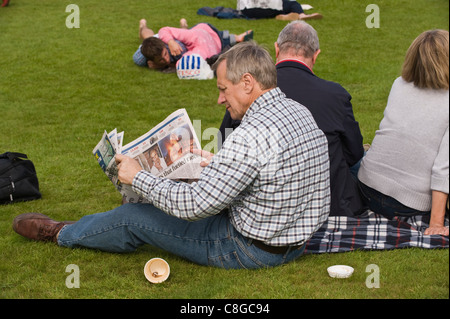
x,y
142,183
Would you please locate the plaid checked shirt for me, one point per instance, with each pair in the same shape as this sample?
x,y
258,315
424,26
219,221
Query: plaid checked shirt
x,y
272,173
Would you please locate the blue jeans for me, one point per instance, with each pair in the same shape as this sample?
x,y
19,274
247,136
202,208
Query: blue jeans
x,y
212,241
385,205
380,203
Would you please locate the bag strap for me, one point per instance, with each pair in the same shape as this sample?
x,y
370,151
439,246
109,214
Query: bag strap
x,y
13,155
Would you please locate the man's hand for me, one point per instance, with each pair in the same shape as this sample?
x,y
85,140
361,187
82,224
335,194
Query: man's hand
x,y
174,48
206,156
128,168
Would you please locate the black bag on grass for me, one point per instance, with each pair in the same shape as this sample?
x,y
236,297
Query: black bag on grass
x,y
18,180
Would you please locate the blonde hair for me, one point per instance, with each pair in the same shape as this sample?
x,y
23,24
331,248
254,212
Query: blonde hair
x,y
427,60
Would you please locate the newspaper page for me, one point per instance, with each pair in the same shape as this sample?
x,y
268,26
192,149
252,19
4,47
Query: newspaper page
x,y
165,151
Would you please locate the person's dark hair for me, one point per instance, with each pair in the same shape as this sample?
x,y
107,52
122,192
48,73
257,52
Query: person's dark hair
x,y
152,50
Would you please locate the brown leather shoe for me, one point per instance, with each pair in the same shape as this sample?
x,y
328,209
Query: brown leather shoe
x,y
37,226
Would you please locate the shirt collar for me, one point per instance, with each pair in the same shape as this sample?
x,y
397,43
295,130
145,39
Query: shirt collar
x,y
263,100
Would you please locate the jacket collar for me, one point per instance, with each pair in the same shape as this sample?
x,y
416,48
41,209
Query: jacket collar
x,y
298,63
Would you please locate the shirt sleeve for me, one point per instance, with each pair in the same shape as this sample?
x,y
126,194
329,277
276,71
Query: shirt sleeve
x,y
439,173
183,35
230,172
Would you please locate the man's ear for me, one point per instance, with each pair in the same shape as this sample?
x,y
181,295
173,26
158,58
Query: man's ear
x,y
316,54
277,50
150,64
248,82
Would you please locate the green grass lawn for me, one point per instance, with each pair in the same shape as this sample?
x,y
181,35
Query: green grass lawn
x,y
60,88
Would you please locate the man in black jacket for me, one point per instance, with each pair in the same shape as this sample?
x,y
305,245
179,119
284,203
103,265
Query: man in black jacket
x,y
297,49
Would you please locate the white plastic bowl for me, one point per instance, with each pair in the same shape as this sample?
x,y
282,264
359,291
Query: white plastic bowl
x,y
340,271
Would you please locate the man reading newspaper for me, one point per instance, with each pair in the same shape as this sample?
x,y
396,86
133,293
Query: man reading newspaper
x,y
257,201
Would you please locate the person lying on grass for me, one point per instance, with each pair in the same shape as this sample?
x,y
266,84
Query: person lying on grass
x,y
279,9
161,51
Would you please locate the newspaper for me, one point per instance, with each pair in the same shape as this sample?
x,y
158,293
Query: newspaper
x,y
165,151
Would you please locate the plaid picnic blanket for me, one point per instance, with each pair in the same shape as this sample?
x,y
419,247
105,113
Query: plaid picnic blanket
x,y
371,231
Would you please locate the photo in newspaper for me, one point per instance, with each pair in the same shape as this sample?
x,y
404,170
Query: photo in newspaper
x,y
165,151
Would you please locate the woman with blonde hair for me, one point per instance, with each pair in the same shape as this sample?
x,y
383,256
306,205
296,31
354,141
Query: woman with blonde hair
x,y
406,170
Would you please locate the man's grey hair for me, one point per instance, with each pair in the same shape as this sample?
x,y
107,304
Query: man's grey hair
x,y
249,57
298,38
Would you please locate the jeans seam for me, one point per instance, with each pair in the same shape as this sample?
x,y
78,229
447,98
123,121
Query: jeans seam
x,y
244,250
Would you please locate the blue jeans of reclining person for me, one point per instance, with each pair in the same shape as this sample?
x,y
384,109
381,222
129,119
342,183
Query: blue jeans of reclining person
x,y
212,241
